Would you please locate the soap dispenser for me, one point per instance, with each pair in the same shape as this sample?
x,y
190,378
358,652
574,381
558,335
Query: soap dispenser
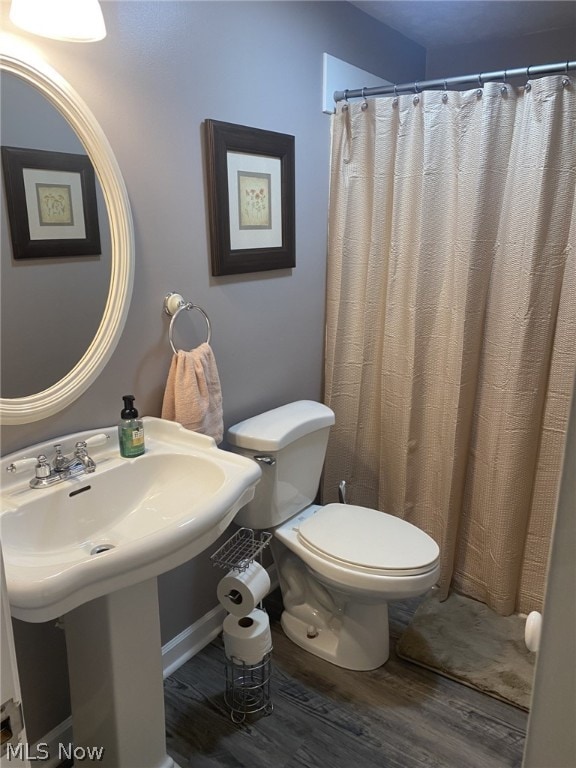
x,y
130,430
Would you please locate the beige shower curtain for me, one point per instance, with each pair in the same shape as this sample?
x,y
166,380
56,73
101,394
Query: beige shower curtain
x,y
451,322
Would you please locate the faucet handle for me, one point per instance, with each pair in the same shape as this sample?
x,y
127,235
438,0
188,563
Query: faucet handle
x,y
81,449
81,454
43,467
59,462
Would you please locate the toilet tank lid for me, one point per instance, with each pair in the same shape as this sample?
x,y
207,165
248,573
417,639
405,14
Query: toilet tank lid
x,y
275,429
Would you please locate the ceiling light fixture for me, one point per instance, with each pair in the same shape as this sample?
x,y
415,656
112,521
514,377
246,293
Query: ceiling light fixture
x,y
74,21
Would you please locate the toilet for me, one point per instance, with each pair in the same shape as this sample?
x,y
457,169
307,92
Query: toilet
x,y
338,565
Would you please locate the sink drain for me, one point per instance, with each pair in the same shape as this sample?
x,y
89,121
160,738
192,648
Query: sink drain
x,y
99,548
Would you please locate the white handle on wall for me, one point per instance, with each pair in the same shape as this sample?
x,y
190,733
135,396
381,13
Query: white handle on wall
x,y
532,631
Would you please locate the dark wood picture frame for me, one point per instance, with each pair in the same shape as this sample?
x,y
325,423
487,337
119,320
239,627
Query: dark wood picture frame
x,y
74,227
235,155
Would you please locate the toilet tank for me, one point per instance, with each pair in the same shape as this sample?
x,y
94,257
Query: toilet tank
x,y
290,444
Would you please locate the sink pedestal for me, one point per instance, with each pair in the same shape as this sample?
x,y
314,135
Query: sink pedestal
x,y
116,682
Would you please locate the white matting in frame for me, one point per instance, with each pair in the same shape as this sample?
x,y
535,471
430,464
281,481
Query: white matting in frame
x,y
51,180
255,164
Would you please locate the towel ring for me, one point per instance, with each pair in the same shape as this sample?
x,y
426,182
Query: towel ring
x,y
175,300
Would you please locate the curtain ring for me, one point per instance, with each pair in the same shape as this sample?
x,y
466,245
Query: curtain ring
x,y
345,105
528,86
481,85
503,89
416,98
445,94
364,106
566,82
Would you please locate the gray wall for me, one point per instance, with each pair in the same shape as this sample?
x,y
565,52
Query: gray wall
x,y
163,69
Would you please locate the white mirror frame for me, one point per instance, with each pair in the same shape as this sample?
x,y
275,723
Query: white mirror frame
x,y
16,57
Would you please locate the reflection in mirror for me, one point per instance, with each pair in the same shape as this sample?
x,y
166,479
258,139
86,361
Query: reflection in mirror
x,y
20,59
50,308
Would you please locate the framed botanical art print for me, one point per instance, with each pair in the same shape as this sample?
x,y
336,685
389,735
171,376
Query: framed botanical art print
x,y
250,198
51,201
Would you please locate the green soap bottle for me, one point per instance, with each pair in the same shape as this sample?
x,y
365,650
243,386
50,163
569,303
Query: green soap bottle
x,y
130,430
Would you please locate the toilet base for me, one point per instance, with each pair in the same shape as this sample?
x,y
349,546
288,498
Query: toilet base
x,y
358,639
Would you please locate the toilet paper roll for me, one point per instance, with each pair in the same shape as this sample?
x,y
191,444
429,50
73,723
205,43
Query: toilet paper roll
x,y
240,593
247,639
532,631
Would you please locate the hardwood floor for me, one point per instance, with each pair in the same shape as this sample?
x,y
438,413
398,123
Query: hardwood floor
x,y
398,716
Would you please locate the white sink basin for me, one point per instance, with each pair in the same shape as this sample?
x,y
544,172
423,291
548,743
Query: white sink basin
x,y
147,514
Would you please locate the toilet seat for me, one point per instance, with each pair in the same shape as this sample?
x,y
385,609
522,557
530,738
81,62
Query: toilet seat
x,y
368,541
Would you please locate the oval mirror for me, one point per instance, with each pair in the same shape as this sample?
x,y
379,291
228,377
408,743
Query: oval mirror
x,y
114,268
66,293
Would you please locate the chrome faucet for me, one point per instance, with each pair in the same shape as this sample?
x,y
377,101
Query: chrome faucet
x,y
63,467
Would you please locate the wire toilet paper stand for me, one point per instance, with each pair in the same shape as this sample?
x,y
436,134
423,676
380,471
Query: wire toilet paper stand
x,y
247,685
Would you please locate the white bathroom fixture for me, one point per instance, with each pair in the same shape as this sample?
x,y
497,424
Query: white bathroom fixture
x,y
89,548
533,630
340,564
152,513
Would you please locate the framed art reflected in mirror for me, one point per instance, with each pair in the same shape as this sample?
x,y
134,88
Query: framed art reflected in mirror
x,y
51,201
250,197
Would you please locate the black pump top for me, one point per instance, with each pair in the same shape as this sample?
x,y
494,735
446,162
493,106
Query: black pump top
x,y
128,412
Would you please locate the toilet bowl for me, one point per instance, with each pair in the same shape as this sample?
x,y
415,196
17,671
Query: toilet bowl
x,y
339,564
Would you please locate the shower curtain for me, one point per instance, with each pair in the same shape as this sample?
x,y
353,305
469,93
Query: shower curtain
x,y
451,322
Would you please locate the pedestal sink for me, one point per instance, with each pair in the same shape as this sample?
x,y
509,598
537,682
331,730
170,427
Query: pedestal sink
x,y
89,549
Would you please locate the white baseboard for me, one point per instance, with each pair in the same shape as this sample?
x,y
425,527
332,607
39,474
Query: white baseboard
x,y
192,639
195,637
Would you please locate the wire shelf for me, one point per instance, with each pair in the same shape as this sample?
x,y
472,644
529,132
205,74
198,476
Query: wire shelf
x,y
247,685
241,549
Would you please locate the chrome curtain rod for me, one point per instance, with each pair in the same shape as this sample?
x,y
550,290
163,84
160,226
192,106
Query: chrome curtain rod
x,y
478,79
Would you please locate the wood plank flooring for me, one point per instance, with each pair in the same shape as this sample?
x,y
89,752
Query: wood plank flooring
x,y
398,716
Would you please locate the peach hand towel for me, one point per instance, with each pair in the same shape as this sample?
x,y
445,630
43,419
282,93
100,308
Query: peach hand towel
x,y
193,396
